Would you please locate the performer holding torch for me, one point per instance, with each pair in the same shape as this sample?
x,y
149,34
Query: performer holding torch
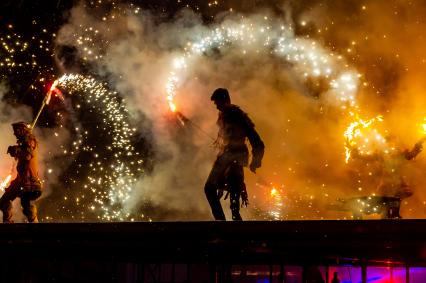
x,y
27,185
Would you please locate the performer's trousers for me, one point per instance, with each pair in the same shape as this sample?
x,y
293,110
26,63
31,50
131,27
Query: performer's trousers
x,y
227,174
11,193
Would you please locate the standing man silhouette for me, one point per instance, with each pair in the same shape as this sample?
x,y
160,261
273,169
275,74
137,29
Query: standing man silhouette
x,y
227,173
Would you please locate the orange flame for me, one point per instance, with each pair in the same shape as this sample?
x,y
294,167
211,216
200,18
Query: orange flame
x,y
5,183
172,105
356,131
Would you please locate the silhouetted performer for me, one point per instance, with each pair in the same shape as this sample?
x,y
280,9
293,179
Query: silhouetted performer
x,y
26,185
227,172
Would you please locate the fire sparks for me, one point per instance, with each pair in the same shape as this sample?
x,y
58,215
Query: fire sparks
x,y
361,136
24,56
111,179
277,203
171,91
309,60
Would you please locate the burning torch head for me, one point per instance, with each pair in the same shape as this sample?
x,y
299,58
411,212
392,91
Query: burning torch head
x,y
221,98
21,129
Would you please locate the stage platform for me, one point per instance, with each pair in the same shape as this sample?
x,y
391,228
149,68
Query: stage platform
x,y
66,249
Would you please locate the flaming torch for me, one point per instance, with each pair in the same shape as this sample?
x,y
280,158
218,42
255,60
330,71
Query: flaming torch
x,y
46,101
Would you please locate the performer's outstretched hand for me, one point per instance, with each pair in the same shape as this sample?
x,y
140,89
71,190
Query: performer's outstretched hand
x,y
253,166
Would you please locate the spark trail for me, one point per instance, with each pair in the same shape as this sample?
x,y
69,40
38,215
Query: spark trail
x,y
113,169
308,59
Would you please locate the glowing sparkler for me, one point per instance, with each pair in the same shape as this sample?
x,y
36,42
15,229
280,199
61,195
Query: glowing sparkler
x,y
45,102
361,136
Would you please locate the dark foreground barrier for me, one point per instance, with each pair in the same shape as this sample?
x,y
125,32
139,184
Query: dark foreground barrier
x,y
290,251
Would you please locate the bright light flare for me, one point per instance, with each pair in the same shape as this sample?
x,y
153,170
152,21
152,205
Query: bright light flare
x,y
5,183
276,202
171,91
172,105
360,135
53,90
424,127
54,85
